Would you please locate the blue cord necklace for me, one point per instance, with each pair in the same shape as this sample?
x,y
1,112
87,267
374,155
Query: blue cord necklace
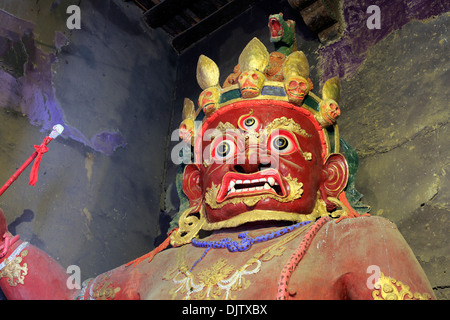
x,y
244,244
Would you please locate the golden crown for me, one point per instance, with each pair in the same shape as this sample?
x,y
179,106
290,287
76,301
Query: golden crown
x,y
263,76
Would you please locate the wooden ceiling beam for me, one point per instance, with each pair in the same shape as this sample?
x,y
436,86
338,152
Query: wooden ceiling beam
x,y
164,11
210,23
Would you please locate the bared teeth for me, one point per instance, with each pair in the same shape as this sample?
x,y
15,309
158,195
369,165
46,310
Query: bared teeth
x,y
254,185
266,182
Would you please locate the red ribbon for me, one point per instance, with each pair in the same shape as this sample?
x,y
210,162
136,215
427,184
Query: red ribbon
x,y
40,150
7,243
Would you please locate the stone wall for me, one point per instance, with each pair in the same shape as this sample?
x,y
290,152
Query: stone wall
x,y
96,203
395,113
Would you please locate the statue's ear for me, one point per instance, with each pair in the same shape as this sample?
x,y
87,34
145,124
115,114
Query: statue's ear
x,y
336,168
192,185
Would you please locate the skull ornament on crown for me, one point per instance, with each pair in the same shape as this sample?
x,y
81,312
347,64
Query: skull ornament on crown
x,y
265,150
250,83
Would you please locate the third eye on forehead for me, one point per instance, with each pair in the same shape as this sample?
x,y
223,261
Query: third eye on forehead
x,y
249,122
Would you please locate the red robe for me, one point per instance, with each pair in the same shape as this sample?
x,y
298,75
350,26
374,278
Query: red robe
x,y
357,258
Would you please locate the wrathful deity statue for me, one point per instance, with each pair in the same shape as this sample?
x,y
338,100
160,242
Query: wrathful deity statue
x,y
267,214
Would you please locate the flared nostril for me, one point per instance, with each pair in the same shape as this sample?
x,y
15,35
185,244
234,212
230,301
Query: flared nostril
x,y
252,168
246,168
263,166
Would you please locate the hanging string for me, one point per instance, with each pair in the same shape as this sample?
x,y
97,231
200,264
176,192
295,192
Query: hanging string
x,y
296,257
247,241
152,253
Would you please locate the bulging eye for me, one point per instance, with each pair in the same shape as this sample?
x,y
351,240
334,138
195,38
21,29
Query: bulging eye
x,y
249,123
282,142
223,148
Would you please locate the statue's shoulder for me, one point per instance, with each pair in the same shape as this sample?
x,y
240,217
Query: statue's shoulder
x,y
364,223
364,248
363,230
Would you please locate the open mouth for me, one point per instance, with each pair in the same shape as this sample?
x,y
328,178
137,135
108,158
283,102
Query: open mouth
x,y
238,184
276,30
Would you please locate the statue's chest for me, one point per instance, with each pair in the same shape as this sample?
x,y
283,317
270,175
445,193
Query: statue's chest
x,y
199,273
223,276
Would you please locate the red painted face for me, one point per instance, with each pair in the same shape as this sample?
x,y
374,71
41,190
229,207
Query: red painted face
x,y
259,157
